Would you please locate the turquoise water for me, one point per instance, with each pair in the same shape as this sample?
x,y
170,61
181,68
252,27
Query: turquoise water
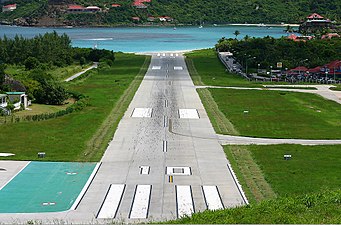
x,y
43,182
147,39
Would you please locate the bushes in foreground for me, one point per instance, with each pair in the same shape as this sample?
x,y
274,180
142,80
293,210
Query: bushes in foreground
x,y
318,208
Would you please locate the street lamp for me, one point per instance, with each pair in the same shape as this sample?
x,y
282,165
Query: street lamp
x,y
258,67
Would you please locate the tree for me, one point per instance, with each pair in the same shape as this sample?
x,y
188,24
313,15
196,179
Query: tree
x,y
31,63
50,92
236,33
2,74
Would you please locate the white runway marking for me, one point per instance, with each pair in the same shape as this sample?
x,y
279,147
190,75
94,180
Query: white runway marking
x,y
111,202
6,154
164,146
212,197
178,170
156,67
165,121
139,210
166,103
144,170
142,112
184,200
188,114
178,68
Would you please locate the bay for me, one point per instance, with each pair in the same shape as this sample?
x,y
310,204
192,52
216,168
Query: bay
x,y
147,39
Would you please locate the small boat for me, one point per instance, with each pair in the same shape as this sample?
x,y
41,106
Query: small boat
x,y
174,28
200,26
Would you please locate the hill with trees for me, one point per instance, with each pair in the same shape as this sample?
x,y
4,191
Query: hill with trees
x,y
55,12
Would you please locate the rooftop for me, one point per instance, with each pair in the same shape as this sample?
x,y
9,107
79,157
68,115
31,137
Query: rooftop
x,y
15,93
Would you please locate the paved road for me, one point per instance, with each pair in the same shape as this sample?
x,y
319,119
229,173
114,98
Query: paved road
x,y
136,181
95,64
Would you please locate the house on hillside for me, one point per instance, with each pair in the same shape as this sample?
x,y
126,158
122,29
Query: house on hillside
x,y
9,8
315,22
297,38
330,36
93,9
115,5
135,18
18,99
75,8
165,19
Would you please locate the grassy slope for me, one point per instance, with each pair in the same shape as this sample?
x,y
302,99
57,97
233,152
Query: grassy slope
x,y
280,114
319,208
66,138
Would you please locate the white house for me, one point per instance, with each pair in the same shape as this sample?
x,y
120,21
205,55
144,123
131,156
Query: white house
x,y
18,99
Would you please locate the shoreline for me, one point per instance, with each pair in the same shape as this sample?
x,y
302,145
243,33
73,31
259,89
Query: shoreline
x,y
164,26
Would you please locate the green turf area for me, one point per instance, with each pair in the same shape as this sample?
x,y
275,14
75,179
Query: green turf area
x,y
83,135
320,208
206,69
279,114
311,169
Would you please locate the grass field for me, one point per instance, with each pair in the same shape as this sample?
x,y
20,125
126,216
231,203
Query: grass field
x,y
69,138
279,114
337,88
206,69
320,208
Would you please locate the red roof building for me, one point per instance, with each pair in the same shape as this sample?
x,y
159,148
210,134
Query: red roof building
x,y
315,16
9,8
330,36
75,8
115,5
315,22
135,18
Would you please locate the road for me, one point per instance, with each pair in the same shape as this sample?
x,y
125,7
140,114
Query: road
x,y
94,65
149,173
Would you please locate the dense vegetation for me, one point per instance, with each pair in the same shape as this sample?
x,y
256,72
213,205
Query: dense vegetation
x,y
38,56
320,208
268,51
186,12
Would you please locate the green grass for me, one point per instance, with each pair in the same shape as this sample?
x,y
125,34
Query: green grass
x,y
67,138
279,114
320,208
206,69
311,169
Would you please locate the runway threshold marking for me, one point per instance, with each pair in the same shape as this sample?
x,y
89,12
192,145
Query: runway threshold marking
x,y
111,202
184,200
212,197
178,68
156,67
140,206
179,170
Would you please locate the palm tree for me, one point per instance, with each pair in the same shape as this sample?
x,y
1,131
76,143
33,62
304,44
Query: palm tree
x,y
236,33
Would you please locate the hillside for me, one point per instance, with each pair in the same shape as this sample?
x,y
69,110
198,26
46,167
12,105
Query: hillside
x,y
55,12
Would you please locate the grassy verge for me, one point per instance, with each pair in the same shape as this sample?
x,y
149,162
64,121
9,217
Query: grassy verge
x,y
320,208
249,174
311,169
67,138
219,121
278,114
